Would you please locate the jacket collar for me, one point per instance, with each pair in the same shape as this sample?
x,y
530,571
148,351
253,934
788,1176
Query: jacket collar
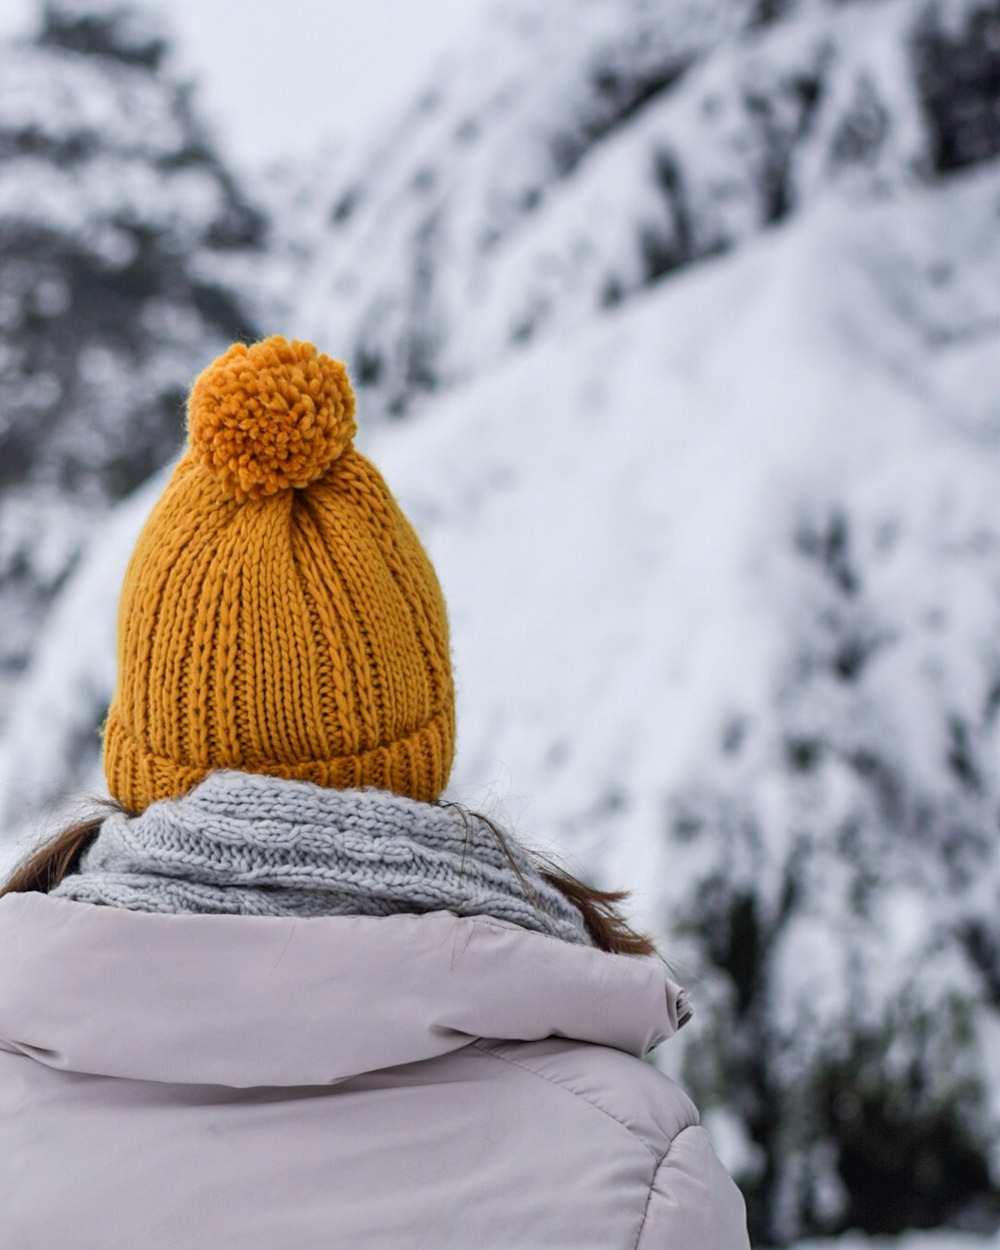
x,y
274,1001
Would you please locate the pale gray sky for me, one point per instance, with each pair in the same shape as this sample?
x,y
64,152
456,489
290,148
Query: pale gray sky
x,y
276,75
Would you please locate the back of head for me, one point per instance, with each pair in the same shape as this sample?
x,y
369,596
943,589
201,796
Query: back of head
x,y
278,614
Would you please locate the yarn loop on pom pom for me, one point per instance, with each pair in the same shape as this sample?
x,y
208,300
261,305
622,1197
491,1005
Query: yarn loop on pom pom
x,y
270,417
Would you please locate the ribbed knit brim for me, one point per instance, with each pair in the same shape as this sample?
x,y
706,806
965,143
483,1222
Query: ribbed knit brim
x,y
417,766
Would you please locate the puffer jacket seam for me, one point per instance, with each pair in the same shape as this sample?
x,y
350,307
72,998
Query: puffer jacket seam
x,y
652,1183
568,1089
649,1199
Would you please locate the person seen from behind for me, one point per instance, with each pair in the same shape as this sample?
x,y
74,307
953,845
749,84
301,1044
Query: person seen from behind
x,y
281,994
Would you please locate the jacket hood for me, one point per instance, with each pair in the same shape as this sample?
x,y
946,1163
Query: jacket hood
x,y
272,1001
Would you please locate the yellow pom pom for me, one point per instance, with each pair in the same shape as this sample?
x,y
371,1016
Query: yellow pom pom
x,y
270,417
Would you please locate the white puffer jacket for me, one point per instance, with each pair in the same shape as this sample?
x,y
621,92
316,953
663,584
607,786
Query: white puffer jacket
x,y
213,1082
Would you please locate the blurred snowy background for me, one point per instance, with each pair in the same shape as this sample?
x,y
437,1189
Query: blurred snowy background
x,y
676,328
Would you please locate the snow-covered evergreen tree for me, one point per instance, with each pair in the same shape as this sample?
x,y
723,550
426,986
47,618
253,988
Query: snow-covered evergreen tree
x,y
119,226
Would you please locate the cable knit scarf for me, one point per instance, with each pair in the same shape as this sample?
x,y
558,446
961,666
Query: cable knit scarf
x,y
254,845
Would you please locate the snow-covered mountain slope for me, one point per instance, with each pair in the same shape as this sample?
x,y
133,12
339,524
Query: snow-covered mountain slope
x,y
120,232
723,568
580,151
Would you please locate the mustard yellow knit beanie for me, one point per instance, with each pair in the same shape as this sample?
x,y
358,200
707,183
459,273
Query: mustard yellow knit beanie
x,y
278,614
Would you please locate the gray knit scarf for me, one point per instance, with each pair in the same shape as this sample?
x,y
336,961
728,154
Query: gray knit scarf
x,y
254,845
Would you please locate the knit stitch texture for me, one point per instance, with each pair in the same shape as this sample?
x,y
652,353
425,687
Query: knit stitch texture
x,y
279,614
264,846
